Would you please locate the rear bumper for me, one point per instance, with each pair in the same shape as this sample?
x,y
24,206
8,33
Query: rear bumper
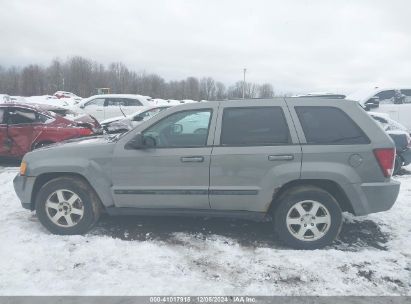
x,y
373,197
23,186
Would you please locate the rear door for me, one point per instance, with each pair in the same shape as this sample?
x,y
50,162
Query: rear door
x,y
255,152
114,107
335,143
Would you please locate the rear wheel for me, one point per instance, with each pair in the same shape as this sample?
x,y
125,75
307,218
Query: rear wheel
x,y
307,217
67,205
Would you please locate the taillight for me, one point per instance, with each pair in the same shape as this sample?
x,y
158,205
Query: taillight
x,y
84,131
385,158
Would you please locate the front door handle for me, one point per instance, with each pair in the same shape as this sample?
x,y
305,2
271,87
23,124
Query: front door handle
x,y
192,159
280,157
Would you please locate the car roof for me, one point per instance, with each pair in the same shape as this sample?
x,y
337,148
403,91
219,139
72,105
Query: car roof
x,y
131,96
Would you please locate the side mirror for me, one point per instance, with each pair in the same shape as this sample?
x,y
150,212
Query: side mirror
x,y
372,103
135,143
141,142
82,106
138,118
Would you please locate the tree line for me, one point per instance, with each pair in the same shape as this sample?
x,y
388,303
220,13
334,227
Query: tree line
x,y
82,76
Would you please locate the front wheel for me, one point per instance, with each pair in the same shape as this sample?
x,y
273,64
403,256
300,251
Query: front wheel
x,y
67,205
307,217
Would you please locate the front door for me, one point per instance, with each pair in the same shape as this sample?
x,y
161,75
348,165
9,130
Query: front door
x,y
96,108
173,174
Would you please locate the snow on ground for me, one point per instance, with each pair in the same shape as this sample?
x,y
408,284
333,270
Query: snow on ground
x,y
146,256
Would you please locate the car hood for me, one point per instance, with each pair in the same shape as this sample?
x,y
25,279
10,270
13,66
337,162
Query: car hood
x,y
92,142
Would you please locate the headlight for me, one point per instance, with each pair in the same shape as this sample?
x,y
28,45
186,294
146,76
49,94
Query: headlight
x,y
23,168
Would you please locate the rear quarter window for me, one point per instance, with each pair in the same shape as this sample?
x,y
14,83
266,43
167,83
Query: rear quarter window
x,y
329,126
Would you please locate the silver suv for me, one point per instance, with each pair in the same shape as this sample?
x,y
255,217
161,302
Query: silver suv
x,y
299,161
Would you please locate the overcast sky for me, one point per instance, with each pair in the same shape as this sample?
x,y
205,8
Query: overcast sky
x,y
298,46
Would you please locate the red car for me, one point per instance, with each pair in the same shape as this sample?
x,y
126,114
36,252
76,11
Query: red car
x,y
24,127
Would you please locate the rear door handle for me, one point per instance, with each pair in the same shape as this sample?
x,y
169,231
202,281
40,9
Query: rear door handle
x,y
192,159
280,157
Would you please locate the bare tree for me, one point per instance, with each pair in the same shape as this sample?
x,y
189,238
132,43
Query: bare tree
x,y
82,76
207,88
32,80
220,91
266,91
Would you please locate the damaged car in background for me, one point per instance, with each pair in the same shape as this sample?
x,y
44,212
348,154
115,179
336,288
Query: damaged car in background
x,y
122,124
25,127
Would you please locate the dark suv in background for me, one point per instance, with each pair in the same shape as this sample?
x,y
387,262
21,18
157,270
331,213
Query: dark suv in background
x,y
298,161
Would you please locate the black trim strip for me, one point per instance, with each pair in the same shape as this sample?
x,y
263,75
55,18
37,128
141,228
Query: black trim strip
x,y
187,192
163,192
233,192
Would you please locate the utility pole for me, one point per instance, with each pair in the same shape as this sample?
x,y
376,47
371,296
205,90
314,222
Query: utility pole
x,y
244,70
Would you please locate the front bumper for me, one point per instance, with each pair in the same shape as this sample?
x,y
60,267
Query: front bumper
x,y
23,186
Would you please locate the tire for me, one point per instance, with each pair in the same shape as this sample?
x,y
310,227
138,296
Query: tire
x,y
397,164
56,199
287,220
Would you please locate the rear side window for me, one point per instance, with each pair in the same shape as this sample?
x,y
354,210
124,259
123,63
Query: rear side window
x,y
132,102
1,116
329,126
257,126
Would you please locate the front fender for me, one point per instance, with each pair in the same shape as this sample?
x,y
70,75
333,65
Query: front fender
x,y
97,174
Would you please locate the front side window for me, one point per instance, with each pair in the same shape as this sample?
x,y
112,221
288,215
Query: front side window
x,y
1,116
99,102
116,102
181,129
329,126
257,126
24,116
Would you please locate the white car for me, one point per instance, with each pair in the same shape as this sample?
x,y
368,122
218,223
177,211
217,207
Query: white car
x,y
121,123
5,98
113,105
396,102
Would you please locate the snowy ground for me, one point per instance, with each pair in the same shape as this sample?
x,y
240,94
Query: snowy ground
x,y
146,256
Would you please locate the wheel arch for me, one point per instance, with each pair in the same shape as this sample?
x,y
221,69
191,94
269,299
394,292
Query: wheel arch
x,y
328,185
44,178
